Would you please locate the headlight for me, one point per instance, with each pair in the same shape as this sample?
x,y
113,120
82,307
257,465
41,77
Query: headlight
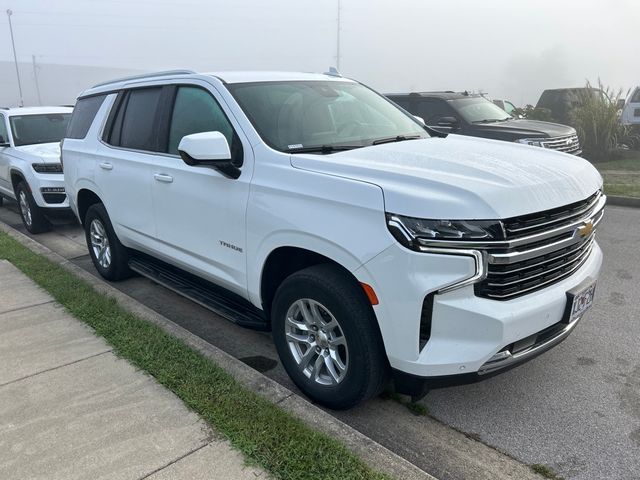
x,y
412,231
535,142
47,167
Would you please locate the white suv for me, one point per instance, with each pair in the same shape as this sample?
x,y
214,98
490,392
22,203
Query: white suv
x,y
310,205
30,169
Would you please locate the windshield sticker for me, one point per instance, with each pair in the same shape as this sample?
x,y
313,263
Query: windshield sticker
x,y
297,145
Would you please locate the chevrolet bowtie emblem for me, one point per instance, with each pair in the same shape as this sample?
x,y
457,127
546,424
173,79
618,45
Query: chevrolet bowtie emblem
x,y
586,229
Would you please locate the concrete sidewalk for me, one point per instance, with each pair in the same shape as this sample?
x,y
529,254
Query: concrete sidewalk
x,y
70,409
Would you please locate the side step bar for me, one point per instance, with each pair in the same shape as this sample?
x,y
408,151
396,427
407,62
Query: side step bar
x,y
217,299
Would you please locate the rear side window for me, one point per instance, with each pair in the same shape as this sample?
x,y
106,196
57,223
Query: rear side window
x,y
83,115
636,96
196,111
134,123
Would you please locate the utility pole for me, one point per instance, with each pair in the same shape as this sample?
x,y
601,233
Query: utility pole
x,y
338,37
35,77
15,57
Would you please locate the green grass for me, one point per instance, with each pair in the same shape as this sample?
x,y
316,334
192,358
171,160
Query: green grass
x,y
266,434
621,177
624,164
545,471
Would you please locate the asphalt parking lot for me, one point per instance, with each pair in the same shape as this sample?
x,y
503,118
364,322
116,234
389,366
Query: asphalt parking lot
x,y
575,409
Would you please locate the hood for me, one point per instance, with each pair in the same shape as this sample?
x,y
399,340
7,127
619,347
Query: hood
x,y
523,128
461,177
43,152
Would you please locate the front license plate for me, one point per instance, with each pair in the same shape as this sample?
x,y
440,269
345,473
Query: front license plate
x,y
581,302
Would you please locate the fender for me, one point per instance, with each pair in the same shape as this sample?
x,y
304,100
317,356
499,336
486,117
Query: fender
x,y
290,238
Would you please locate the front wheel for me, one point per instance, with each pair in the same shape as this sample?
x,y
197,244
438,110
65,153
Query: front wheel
x,y
32,215
109,256
327,337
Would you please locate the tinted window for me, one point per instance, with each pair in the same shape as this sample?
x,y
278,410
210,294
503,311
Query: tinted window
x,y
33,129
4,137
83,115
433,110
195,111
402,101
636,96
134,124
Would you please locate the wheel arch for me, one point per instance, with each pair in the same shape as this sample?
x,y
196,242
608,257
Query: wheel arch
x,y
16,177
85,199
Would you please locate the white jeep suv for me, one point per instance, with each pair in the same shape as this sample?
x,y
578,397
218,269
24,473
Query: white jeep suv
x,y
30,169
312,206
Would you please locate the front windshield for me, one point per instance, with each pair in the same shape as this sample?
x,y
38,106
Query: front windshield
x,y
302,115
32,129
479,110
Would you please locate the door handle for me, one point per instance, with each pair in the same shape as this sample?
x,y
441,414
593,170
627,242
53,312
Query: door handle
x,y
163,177
106,166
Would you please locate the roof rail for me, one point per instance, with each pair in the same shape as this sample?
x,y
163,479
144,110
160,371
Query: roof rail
x,y
165,73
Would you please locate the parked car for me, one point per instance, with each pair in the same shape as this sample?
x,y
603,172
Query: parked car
x,y
560,101
631,109
30,169
312,206
471,114
507,106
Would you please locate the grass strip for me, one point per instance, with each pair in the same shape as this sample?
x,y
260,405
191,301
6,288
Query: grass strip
x,y
267,435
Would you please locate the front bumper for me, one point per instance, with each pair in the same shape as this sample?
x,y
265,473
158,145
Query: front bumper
x,y
48,191
466,330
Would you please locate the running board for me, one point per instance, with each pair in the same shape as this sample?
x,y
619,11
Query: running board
x,y
217,299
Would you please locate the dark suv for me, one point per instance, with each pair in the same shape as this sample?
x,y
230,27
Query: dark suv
x,y
560,101
470,114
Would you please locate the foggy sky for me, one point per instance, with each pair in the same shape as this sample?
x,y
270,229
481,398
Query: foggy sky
x,y
509,48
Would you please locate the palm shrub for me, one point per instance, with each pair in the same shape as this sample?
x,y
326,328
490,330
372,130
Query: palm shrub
x,y
597,122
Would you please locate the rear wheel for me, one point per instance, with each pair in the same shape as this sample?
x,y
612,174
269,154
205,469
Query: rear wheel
x,y
327,337
32,215
109,256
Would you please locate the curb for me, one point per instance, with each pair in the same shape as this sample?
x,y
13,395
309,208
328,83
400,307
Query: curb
x,y
623,201
372,453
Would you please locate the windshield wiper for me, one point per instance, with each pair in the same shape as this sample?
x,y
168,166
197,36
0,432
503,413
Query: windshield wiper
x,y
322,149
398,138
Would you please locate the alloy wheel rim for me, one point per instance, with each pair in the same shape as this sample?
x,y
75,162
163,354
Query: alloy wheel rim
x,y
25,208
317,342
100,243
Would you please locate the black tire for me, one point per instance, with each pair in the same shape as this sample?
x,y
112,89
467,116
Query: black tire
x,y
117,266
32,215
331,291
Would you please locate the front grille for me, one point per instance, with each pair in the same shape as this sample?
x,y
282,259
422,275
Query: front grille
x,y
542,221
543,249
567,144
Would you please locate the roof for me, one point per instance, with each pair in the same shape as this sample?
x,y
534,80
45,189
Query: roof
x,y
258,76
445,95
227,77
36,110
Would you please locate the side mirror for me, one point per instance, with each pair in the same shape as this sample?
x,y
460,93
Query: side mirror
x,y
420,120
206,148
